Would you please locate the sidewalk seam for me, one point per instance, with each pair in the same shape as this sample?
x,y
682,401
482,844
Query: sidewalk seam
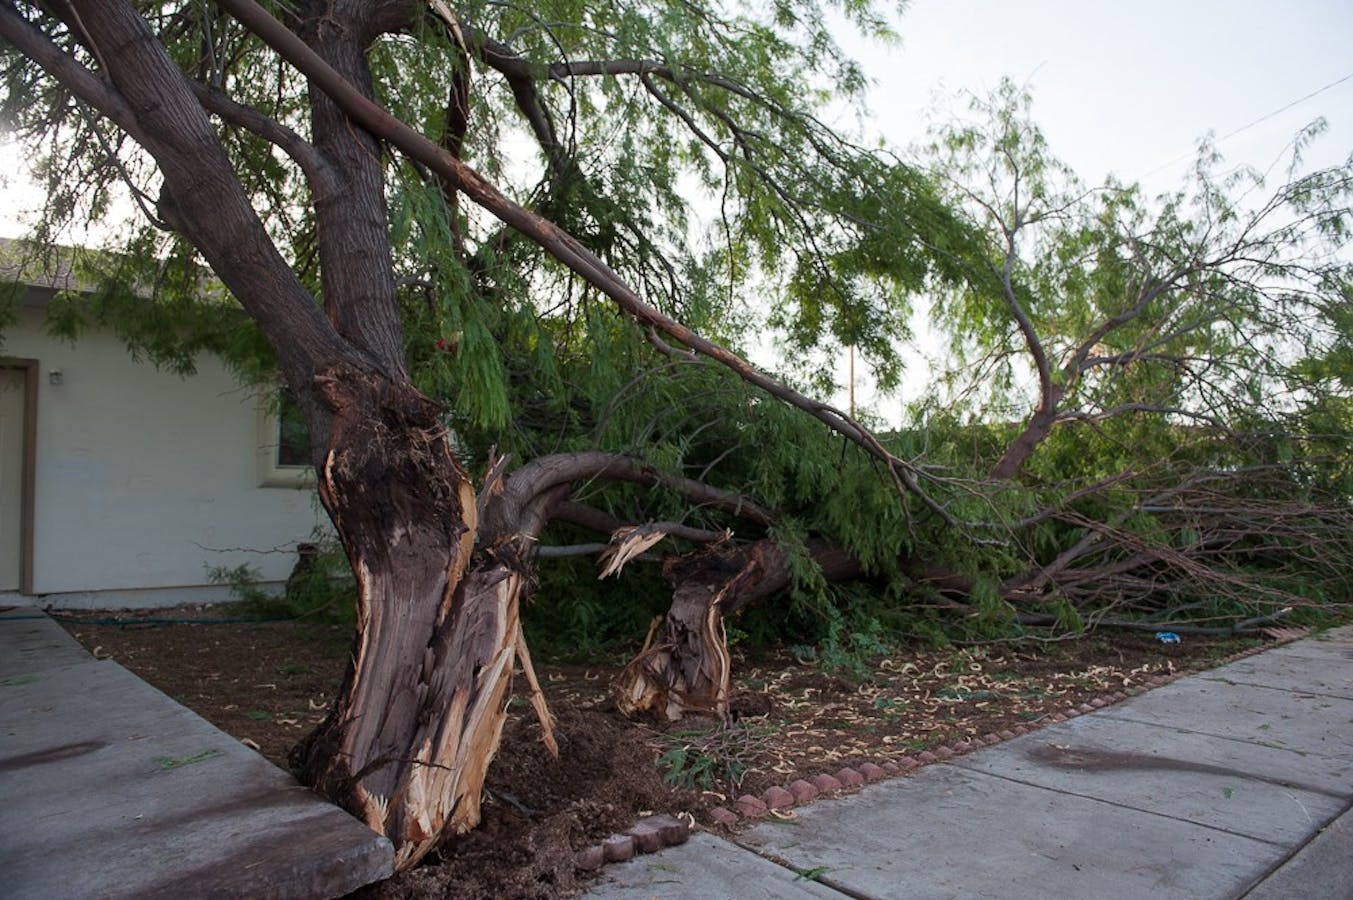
x,y
784,864
1280,864
1116,805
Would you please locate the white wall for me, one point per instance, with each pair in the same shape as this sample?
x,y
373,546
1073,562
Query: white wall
x,y
145,479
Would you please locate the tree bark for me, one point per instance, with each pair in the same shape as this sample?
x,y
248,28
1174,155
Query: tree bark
x,y
418,719
687,669
1038,427
407,744
351,223
684,666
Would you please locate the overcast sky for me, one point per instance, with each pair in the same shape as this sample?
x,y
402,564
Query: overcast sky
x,y
1130,87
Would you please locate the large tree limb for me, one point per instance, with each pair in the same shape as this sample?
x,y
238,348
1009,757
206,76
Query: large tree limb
x,y
575,513
66,69
554,240
352,224
150,98
529,486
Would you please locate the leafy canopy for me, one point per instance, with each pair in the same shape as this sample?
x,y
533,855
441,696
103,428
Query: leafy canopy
x,y
1114,352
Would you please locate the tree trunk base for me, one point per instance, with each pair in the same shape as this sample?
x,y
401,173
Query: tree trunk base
x,y
408,742
684,666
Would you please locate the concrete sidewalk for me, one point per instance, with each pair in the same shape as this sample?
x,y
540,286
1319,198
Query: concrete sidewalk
x,y
1237,782
108,788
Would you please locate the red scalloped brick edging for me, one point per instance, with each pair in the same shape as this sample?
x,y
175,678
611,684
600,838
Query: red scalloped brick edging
x,y
648,835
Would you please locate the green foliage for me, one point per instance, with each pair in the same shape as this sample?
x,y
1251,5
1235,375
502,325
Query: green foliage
x,y
159,300
1067,618
850,645
323,590
1180,367
1166,360
573,617
710,758
682,768
241,579
994,616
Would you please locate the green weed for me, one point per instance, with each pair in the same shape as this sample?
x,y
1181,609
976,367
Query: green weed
x,y
170,762
710,758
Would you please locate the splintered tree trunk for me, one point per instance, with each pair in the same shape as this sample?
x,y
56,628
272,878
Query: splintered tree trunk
x,y
684,667
406,745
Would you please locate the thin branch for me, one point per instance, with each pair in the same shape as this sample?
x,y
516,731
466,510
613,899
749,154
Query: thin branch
x,y
316,169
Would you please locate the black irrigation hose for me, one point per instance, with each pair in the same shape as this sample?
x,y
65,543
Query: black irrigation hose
x,y
79,620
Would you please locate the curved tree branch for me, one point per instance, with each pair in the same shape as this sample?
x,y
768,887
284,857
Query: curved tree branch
x,y
527,487
554,240
318,173
582,515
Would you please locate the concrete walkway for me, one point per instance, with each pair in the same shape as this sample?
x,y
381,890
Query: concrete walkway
x,y
110,789
1237,782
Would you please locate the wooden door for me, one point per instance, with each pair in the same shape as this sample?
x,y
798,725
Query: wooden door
x,y
12,436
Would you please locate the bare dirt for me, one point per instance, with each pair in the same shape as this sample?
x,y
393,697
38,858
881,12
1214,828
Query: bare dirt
x,y
268,683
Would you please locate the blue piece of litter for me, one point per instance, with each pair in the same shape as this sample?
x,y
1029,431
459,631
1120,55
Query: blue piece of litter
x,y
1167,637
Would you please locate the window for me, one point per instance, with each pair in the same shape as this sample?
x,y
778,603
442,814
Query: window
x,y
284,442
293,438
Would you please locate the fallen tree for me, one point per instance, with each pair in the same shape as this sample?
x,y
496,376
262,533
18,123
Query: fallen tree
x,y
318,165
1165,475
440,574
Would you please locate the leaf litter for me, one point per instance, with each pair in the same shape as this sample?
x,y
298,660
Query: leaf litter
x,y
791,719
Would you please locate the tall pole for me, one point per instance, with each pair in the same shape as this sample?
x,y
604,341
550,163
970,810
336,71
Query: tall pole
x,y
852,381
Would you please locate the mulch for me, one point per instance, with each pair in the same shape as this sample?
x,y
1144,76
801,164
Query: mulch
x,y
269,683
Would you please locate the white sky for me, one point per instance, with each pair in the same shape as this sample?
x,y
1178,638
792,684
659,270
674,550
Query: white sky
x,y
1130,87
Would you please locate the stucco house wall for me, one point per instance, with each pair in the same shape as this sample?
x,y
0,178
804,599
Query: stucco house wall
x,y
141,481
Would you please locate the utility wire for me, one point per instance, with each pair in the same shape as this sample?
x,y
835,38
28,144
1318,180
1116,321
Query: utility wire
x,y
1262,119
1259,121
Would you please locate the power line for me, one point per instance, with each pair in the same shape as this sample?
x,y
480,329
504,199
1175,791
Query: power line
x,y
1259,121
1265,118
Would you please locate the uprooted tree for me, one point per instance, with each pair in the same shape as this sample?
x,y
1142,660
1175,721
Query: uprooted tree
x,y
1146,424
345,236
1189,360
